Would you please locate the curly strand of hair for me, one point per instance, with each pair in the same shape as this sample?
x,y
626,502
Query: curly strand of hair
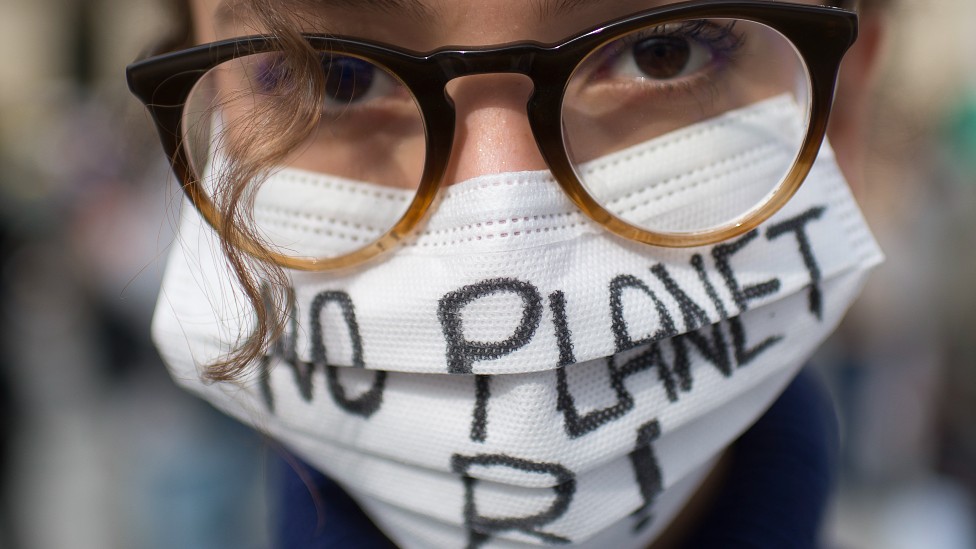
x,y
258,145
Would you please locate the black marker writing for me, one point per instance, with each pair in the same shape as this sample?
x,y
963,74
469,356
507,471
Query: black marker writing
x,y
577,425
712,349
722,253
284,348
698,262
462,353
797,225
647,471
564,339
621,335
367,403
479,420
481,527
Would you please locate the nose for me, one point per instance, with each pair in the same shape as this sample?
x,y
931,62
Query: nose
x,y
492,133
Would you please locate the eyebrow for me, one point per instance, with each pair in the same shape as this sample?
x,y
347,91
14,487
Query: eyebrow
x,y
413,7
416,8
547,8
227,10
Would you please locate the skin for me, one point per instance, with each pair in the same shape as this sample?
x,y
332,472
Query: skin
x,y
492,133
848,121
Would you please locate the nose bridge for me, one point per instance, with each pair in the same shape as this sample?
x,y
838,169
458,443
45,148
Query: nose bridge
x,y
492,134
514,58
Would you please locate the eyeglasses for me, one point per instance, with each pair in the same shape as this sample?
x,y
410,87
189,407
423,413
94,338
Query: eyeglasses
x,y
354,170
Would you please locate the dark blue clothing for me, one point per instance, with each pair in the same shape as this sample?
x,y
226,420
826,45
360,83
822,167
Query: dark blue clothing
x,y
780,475
774,495
312,512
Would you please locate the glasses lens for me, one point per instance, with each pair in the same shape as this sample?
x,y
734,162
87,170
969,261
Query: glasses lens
x,y
689,125
327,173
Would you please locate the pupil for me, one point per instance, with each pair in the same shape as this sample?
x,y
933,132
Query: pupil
x,y
662,57
347,78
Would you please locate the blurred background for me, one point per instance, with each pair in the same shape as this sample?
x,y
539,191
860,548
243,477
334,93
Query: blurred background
x,y
98,449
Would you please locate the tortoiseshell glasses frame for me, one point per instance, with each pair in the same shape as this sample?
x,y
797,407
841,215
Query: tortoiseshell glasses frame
x,y
821,35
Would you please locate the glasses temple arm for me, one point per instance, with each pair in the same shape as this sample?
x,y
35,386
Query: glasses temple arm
x,y
849,5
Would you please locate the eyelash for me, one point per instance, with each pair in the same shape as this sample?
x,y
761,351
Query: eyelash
x,y
722,42
723,37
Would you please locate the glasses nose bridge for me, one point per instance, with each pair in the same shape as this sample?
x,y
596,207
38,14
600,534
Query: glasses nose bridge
x,y
511,59
492,107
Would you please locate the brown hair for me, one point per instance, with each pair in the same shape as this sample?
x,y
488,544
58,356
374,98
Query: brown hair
x,y
252,149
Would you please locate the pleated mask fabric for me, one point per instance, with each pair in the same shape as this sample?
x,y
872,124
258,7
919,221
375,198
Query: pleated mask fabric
x,y
514,375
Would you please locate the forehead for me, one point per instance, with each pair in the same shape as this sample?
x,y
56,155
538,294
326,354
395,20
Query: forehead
x,y
425,24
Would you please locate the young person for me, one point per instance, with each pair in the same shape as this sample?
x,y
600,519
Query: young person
x,y
518,273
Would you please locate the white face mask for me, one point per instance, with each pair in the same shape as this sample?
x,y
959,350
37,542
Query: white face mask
x,y
515,375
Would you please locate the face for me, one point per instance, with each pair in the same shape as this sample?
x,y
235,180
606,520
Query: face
x,y
481,279
689,121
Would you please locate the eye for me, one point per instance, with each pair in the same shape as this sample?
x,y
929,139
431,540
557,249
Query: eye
x,y
272,74
662,58
687,52
350,80
666,57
